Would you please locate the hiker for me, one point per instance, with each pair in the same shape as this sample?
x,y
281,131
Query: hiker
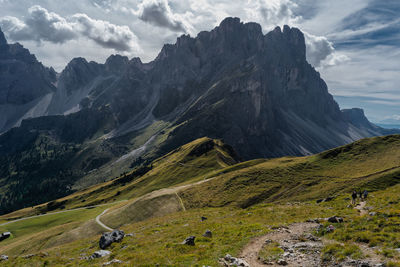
x,y
365,195
361,195
354,197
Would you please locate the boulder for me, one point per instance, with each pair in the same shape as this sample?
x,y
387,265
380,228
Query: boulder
x,y
189,241
3,257
335,219
208,233
100,254
108,238
4,235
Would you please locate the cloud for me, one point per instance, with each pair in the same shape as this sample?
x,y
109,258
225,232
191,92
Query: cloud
x,y
272,12
393,117
40,25
104,33
159,13
321,53
44,26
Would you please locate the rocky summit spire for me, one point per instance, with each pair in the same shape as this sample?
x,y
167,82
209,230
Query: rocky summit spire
x,y
3,40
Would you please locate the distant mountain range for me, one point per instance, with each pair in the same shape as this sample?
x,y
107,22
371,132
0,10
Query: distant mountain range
x,y
93,121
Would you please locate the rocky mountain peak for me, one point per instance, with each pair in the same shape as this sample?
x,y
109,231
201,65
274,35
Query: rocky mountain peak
x,y
3,40
290,40
116,63
233,27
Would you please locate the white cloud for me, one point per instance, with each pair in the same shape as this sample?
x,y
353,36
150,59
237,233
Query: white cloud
x,y
393,117
44,26
104,33
321,53
159,13
272,12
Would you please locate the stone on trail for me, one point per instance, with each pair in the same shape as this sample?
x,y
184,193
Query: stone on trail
x,y
189,241
282,262
228,260
108,238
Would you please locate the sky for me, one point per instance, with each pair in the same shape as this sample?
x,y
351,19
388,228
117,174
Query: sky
x,y
355,45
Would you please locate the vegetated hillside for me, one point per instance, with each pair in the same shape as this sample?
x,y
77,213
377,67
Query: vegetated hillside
x,y
371,164
189,163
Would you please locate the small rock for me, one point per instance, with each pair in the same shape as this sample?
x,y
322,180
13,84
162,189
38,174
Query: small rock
x,y
319,201
268,241
28,256
208,233
335,219
329,199
130,235
282,262
189,241
108,238
363,264
100,254
43,254
3,257
372,213
112,262
203,218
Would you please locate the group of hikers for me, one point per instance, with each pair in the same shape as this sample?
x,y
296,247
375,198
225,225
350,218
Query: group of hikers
x,y
363,196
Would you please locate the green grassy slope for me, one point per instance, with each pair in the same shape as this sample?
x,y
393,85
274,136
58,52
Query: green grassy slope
x,y
372,164
189,163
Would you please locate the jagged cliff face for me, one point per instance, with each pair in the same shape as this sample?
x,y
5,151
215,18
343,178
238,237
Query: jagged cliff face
x,y
256,92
